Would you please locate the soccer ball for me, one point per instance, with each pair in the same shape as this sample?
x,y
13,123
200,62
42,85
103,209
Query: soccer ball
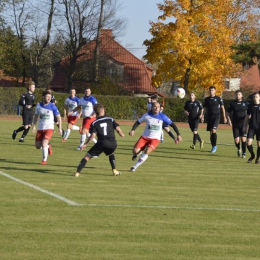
x,y
180,93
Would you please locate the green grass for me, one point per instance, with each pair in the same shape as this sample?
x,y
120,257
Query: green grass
x,y
180,204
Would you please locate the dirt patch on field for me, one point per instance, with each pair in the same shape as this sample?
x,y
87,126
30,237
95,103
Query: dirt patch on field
x,y
125,122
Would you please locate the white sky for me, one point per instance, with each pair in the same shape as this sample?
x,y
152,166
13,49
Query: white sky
x,y
138,13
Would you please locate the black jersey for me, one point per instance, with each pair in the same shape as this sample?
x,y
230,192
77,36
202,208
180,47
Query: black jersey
x,y
27,99
239,111
254,111
104,127
213,105
193,107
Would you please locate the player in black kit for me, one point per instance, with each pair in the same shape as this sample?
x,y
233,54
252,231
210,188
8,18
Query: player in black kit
x,y
212,105
103,127
253,112
194,110
27,102
238,109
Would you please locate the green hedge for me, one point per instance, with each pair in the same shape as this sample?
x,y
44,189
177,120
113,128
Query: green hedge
x,y
118,107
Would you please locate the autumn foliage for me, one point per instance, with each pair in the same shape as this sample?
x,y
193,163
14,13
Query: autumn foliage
x,y
191,40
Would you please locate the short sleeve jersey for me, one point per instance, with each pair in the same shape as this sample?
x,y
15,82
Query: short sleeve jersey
x,y
46,115
154,123
193,107
213,105
254,111
72,103
239,111
27,99
104,127
87,104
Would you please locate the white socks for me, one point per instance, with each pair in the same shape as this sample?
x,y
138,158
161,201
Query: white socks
x,y
141,160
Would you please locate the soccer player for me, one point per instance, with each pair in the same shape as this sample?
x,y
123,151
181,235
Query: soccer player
x,y
103,127
151,135
70,103
238,109
53,100
27,102
86,104
45,112
195,112
212,105
154,98
253,113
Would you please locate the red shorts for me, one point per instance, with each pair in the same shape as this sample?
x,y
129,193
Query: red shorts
x,y
72,120
44,134
87,122
144,142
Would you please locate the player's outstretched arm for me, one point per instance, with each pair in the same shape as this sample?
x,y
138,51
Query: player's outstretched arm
x,y
175,128
119,131
132,132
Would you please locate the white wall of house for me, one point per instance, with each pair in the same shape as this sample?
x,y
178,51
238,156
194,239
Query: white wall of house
x,y
232,84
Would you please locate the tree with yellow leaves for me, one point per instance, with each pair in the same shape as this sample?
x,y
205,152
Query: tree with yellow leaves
x,y
192,40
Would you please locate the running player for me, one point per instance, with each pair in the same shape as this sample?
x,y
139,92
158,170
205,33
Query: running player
x,y
86,104
151,135
45,112
70,103
27,102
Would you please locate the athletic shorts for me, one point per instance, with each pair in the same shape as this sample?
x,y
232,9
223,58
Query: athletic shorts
x,y
238,131
27,118
144,142
253,132
99,148
72,120
87,122
194,124
44,134
212,123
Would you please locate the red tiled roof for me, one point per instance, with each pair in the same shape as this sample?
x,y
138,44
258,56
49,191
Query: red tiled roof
x,y
138,74
7,81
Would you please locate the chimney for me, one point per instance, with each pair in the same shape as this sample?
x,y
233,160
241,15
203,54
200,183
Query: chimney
x,y
107,33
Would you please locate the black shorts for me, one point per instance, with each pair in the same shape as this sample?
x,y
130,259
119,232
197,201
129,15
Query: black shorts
x,y
194,124
212,123
27,118
253,132
99,148
238,131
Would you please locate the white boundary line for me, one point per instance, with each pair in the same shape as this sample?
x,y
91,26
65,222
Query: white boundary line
x,y
72,203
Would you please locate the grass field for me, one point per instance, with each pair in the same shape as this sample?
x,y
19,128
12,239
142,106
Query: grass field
x,y
180,204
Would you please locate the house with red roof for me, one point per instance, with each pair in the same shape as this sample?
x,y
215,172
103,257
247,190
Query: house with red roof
x,y
114,60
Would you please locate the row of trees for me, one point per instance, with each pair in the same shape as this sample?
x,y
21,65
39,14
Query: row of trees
x,y
198,42
34,35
